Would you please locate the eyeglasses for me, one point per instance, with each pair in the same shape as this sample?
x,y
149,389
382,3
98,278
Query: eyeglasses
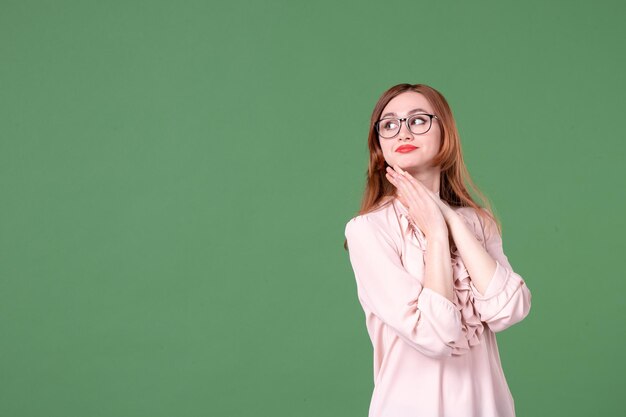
x,y
417,123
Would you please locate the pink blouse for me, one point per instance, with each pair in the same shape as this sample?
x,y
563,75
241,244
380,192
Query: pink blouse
x,y
432,357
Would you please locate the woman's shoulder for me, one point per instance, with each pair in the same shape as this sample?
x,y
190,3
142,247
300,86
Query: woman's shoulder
x,y
381,217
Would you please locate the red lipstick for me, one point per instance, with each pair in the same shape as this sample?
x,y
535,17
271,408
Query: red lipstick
x,y
405,148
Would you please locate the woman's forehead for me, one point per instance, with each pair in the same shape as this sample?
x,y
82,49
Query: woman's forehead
x,y
407,101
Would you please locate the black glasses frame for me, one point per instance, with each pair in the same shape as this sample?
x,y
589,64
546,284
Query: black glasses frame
x,y
406,120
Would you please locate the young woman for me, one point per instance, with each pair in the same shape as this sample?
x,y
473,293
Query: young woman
x,y
431,274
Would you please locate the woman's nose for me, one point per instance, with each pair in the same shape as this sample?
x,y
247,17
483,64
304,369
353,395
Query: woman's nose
x,y
404,130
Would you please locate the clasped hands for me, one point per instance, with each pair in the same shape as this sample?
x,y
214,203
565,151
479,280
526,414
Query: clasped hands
x,y
431,214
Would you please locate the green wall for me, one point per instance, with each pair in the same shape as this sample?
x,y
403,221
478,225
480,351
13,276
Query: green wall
x,y
175,178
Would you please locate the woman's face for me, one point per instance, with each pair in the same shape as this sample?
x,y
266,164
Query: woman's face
x,y
427,144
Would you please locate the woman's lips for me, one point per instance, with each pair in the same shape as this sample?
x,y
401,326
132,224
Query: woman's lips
x,y
406,148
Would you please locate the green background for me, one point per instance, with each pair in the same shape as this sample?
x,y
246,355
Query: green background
x,y
175,178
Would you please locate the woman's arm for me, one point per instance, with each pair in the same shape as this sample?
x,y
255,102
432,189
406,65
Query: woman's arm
x,y
424,211
438,266
421,316
479,263
501,296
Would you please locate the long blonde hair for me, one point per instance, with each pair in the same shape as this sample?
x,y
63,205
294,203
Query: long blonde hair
x,y
454,173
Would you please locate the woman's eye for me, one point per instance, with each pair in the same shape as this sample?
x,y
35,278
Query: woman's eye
x,y
418,121
390,125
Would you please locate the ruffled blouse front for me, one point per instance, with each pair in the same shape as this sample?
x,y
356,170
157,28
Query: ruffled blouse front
x,y
470,321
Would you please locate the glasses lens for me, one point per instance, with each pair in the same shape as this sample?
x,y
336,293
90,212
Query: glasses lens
x,y
419,123
388,128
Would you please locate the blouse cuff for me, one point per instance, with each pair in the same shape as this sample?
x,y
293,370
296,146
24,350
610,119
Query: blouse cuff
x,y
441,313
496,284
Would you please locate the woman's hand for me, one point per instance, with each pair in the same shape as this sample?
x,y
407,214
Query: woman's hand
x,y
426,209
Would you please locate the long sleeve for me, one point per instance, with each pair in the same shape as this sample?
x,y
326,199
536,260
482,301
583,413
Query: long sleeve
x,y
507,299
423,318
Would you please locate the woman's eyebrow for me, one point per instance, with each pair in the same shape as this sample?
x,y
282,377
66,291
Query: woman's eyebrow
x,y
410,112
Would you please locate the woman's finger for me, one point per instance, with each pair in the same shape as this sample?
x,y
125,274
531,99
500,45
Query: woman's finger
x,y
418,184
410,187
417,194
399,184
392,176
392,180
